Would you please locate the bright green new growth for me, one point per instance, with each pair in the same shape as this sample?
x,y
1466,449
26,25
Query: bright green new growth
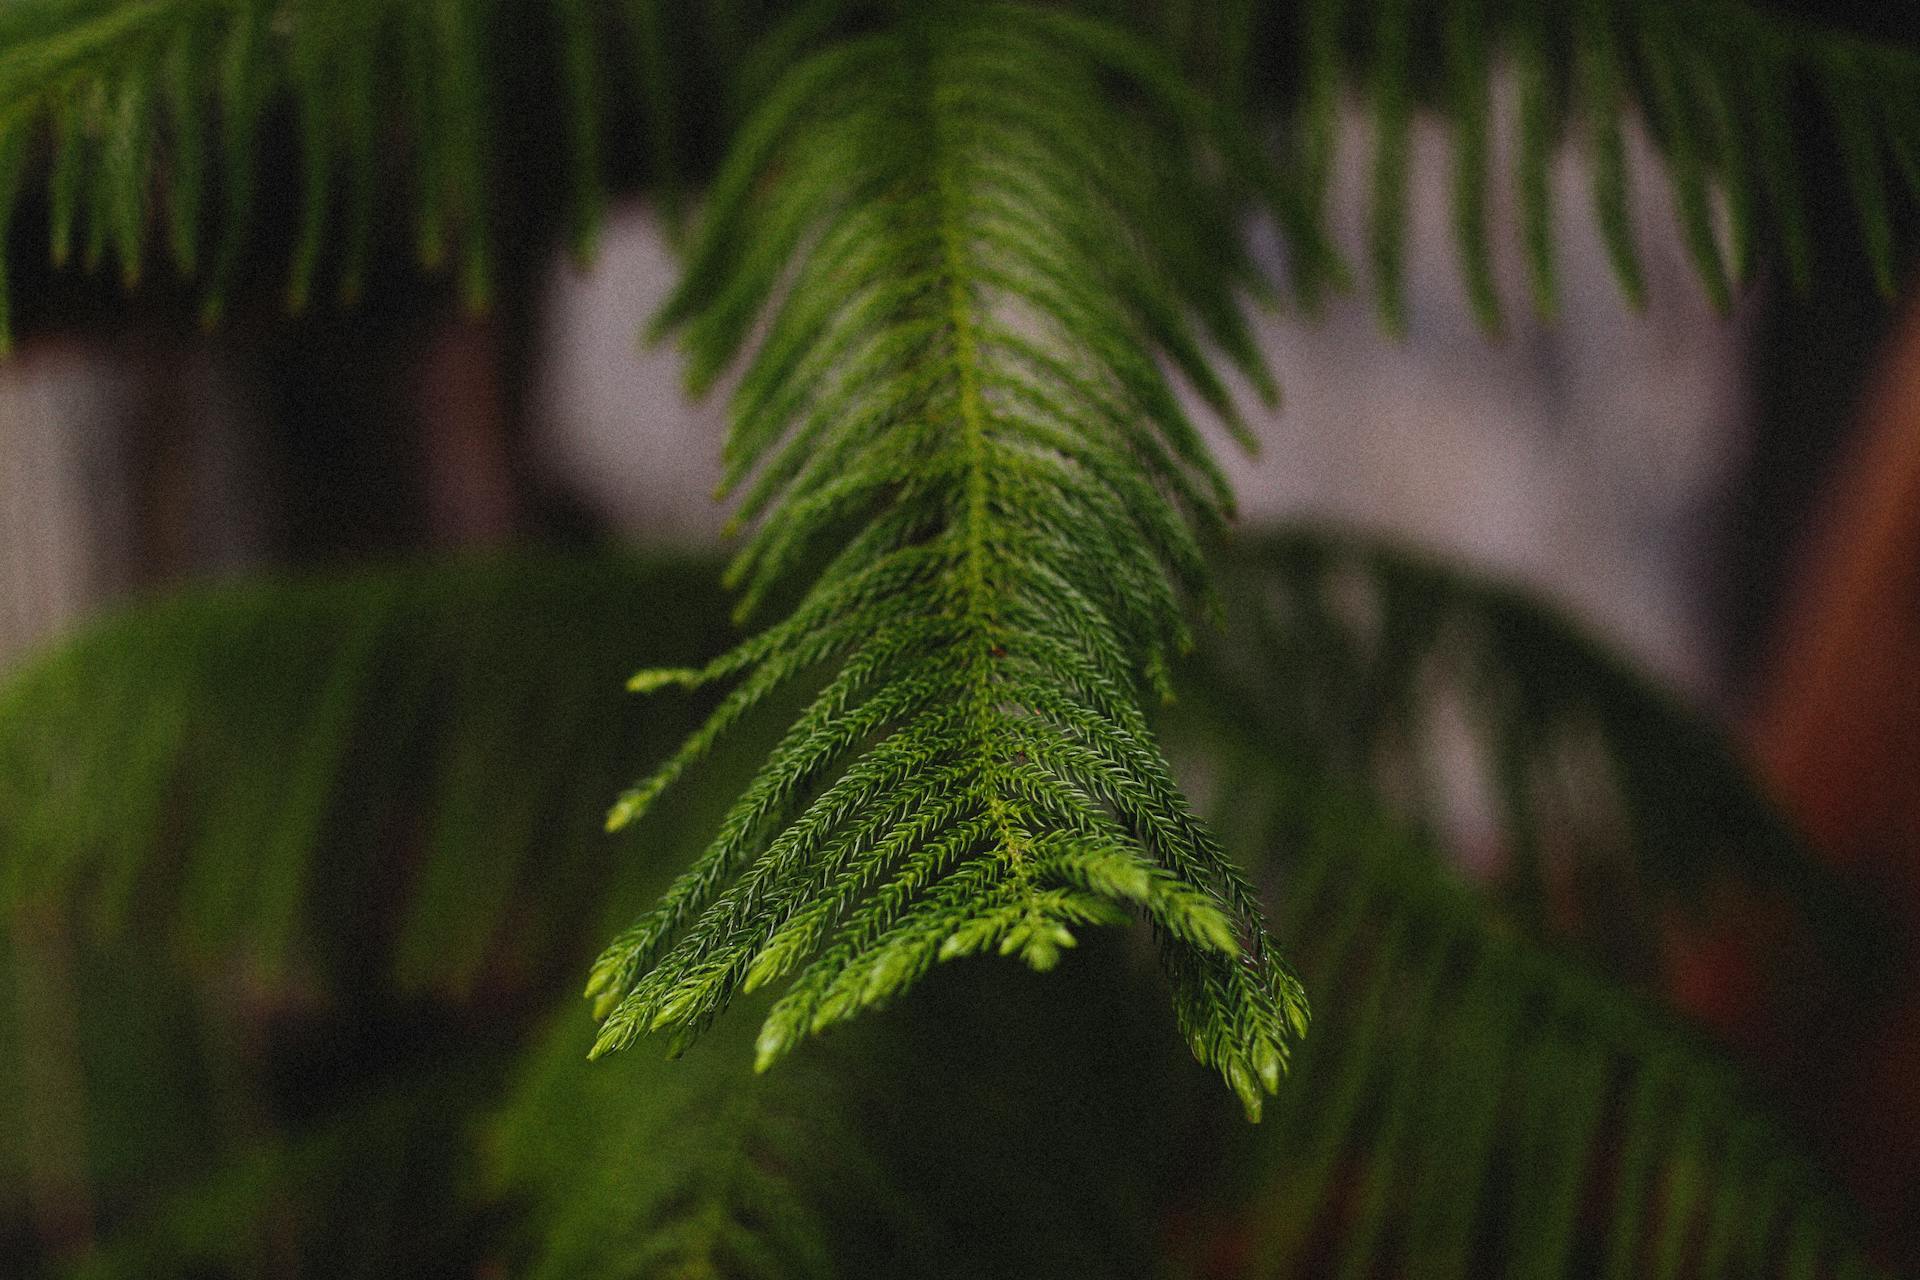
x,y
957,388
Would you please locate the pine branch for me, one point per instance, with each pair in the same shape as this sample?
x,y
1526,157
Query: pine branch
x,y
1484,1093
128,113
742,1177
1717,82
223,771
1615,805
1466,1087
956,385
1042,1158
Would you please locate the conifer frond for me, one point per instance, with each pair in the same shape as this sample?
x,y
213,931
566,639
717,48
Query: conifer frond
x,y
1718,83
136,116
690,1169
1473,1104
223,770
150,106
1612,804
961,245
1043,1158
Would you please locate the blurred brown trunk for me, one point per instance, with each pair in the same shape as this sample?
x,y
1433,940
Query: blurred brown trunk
x,y
471,483
1838,725
1837,734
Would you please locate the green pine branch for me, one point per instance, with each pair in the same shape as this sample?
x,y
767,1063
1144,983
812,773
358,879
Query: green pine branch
x,y
956,387
141,122
1492,1087
959,246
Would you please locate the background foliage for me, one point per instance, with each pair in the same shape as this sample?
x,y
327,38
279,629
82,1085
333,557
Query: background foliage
x,y
1477,1095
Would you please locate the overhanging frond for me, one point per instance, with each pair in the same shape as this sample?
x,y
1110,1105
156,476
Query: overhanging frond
x,y
958,241
147,121
137,117
1486,1093
1725,87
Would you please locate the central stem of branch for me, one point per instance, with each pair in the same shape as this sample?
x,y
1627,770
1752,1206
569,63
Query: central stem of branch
x,y
977,590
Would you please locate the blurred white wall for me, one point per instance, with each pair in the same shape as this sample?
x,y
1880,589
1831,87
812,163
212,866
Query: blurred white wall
x,y
120,464
65,501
